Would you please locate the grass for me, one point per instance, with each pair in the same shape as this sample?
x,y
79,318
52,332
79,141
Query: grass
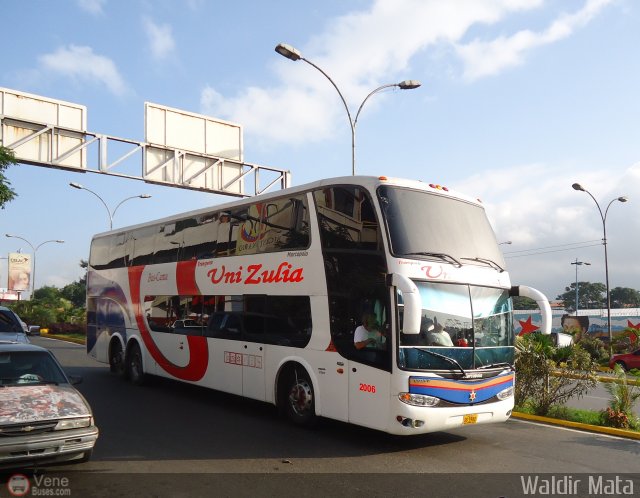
x,y
589,417
76,338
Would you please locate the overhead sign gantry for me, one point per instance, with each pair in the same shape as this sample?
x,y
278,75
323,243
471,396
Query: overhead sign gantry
x,y
181,149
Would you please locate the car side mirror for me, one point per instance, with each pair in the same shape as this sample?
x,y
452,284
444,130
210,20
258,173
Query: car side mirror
x,y
75,379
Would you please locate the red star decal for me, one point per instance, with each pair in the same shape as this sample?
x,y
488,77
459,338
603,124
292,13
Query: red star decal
x,y
527,326
472,396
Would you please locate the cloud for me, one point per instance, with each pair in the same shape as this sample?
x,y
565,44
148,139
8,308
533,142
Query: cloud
x,y
550,224
92,6
487,58
160,37
80,63
382,43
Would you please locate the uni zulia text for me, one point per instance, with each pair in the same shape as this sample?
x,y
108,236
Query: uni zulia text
x,y
568,485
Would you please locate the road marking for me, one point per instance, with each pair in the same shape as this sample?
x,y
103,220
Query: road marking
x,y
585,432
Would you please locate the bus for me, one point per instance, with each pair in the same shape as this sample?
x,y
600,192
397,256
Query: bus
x,y
261,298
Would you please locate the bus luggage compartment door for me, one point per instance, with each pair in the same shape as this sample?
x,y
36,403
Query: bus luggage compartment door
x,y
253,383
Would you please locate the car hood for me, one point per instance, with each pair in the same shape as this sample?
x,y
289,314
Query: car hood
x,y
14,337
19,404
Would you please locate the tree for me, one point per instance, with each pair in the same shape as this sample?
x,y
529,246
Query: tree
x,y
622,297
76,292
7,158
524,303
589,295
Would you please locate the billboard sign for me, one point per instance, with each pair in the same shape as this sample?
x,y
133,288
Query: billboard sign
x,y
19,272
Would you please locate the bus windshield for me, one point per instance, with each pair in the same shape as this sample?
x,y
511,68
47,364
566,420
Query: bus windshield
x,y
469,324
423,225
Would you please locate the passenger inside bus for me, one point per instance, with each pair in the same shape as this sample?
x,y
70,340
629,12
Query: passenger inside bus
x,y
436,335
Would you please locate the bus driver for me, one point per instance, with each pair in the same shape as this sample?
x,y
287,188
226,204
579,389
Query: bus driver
x,y
368,335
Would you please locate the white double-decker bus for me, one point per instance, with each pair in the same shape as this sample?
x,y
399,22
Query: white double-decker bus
x,y
261,298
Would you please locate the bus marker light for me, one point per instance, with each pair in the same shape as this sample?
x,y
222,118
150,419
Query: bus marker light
x,y
340,370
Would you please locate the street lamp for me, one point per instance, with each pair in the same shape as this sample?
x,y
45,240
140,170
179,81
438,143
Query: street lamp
x,y
111,213
577,186
578,263
293,54
35,249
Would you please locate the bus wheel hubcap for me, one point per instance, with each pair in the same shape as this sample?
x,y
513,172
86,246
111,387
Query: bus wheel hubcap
x,y
301,397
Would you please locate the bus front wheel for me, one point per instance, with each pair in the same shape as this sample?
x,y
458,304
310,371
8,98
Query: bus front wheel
x,y
298,398
135,370
116,358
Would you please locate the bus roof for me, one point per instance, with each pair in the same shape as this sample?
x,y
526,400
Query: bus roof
x,y
369,182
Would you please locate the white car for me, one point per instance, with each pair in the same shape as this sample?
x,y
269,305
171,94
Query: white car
x,y
43,418
12,328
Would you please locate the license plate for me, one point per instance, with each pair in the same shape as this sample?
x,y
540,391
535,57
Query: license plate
x,y
470,419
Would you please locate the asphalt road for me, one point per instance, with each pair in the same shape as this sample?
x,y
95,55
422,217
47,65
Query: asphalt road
x,y
180,440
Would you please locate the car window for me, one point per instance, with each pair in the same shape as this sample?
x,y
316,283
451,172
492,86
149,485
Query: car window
x,y
29,367
8,322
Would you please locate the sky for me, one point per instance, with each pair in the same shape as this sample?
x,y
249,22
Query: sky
x,y
519,100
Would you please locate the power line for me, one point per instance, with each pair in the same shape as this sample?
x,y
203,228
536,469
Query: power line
x,y
540,250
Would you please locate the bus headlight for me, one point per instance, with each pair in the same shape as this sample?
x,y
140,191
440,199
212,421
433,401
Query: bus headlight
x,y
505,393
418,399
73,423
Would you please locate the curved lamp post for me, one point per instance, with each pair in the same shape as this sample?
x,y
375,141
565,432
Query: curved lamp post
x,y
111,213
603,216
293,54
35,250
578,263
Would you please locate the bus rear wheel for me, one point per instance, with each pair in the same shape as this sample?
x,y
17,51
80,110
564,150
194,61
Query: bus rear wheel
x,y
299,399
135,370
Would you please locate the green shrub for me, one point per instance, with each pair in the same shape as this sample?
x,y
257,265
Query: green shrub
x,y
537,383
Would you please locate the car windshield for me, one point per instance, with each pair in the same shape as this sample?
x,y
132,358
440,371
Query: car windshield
x,y
29,367
469,324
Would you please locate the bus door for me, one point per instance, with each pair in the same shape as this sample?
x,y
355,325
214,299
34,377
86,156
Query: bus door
x,y
369,389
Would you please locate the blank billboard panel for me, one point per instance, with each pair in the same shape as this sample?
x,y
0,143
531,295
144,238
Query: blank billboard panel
x,y
28,115
192,150
191,132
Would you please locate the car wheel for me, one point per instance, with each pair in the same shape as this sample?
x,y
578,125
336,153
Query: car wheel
x,y
135,370
116,358
623,365
298,398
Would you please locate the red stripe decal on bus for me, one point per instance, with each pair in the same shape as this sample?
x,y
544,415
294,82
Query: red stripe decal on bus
x,y
198,349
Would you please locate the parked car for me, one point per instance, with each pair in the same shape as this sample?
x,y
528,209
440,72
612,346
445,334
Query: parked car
x,y
627,361
43,418
12,328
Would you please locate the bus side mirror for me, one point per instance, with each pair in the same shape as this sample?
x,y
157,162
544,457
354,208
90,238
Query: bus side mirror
x,y
542,302
412,315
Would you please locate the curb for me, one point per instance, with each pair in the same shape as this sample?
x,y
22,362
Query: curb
x,y
577,425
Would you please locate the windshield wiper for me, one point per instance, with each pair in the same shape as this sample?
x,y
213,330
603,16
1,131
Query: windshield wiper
x,y
490,262
439,255
495,365
445,358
